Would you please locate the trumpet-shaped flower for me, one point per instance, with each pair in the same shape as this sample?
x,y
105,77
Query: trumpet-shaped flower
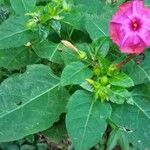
x,y
130,27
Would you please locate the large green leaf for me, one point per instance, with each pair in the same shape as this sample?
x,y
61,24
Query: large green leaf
x,y
147,2
48,50
13,33
86,120
97,16
22,6
74,18
121,80
30,103
96,27
15,58
75,73
91,6
135,120
139,72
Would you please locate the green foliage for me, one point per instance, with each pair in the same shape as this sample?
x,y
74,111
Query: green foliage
x,y
147,2
75,73
139,72
121,80
86,120
57,59
57,132
135,119
22,6
120,95
94,27
48,50
117,136
13,33
32,100
14,58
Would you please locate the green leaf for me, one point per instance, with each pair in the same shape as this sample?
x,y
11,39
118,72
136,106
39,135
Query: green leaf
x,y
95,26
86,120
17,57
135,119
120,95
30,102
140,73
117,136
90,6
57,132
74,18
147,2
48,50
101,46
22,6
68,56
13,33
75,73
97,17
121,80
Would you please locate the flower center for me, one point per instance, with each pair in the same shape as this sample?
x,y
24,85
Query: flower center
x,y
135,24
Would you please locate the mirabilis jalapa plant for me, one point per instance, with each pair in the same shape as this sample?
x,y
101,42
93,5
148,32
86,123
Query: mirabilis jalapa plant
x,y
129,29
100,83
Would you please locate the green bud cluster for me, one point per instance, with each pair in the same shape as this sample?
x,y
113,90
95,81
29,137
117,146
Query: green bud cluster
x,y
100,81
100,87
52,11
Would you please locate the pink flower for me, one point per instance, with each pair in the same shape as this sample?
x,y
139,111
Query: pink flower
x,y
130,27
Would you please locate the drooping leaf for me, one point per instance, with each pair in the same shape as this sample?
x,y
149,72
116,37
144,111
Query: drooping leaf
x,y
57,132
75,73
13,33
121,80
30,102
48,50
22,6
117,136
86,120
17,57
135,120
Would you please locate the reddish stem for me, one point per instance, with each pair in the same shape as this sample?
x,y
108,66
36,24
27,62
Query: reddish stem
x,y
121,64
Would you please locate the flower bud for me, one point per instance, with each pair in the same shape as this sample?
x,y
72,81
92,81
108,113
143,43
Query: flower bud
x,y
102,95
97,71
31,24
112,70
104,80
82,54
69,45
